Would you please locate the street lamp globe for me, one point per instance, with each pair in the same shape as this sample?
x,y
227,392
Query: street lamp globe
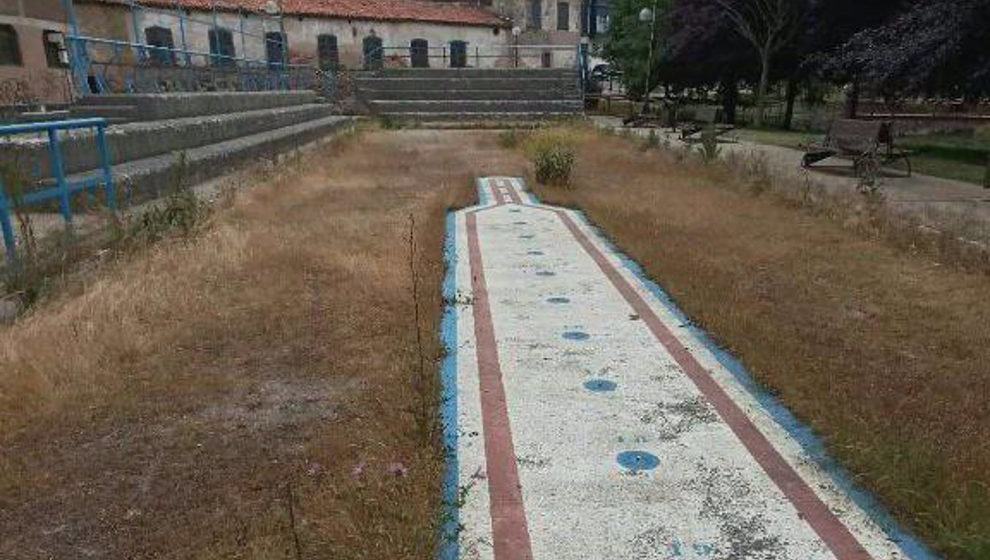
x,y
646,15
516,31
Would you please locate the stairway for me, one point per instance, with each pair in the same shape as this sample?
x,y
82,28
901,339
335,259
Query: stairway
x,y
196,135
503,95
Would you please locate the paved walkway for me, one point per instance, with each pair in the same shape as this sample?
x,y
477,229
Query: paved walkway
x,y
936,202
591,420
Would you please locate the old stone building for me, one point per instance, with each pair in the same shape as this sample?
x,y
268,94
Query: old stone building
x,y
32,59
331,34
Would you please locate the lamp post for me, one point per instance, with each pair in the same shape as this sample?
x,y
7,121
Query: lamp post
x,y
515,42
647,15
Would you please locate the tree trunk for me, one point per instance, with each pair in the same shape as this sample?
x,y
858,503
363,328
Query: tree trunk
x,y
792,91
730,99
761,92
852,100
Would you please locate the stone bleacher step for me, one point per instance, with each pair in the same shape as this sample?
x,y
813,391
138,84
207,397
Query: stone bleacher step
x,y
115,114
545,94
496,106
480,118
138,140
444,84
151,177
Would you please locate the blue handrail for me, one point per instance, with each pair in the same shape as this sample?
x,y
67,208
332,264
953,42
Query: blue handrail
x,y
63,188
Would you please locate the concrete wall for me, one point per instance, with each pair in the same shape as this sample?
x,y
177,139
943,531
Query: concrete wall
x,y
302,35
33,82
564,42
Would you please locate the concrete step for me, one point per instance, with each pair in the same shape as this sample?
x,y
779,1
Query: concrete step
x,y
115,113
152,177
498,106
481,119
443,84
139,140
162,106
499,73
471,94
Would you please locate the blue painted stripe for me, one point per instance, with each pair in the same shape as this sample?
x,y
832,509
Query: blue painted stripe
x,y
483,199
809,441
449,543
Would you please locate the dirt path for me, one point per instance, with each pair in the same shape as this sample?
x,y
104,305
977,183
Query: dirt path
x,y
593,422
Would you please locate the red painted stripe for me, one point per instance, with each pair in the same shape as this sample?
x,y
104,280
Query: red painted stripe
x,y
513,193
510,531
496,192
828,527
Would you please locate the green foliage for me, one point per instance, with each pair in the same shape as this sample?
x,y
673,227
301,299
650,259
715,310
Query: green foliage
x,y
652,141
553,152
181,210
709,148
627,44
389,122
554,165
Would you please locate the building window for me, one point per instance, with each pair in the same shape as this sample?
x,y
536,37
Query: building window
x,y
419,53
54,48
10,48
327,53
563,16
276,48
160,37
222,47
374,57
547,59
458,54
536,14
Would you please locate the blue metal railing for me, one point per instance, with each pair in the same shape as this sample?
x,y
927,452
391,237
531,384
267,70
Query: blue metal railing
x,y
102,65
63,189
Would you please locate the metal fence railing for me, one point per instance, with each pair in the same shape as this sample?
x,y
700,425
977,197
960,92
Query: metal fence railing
x,y
15,193
452,55
173,49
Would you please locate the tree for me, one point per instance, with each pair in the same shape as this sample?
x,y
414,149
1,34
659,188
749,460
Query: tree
x,y
627,43
768,26
933,47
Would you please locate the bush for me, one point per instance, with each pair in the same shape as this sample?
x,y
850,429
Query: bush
x,y
709,148
553,152
554,164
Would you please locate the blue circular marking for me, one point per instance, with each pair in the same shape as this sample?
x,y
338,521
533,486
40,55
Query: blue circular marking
x,y
558,300
600,385
535,253
576,335
546,273
636,461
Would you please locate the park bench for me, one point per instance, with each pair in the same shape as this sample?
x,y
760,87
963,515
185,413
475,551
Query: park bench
x,y
691,132
868,143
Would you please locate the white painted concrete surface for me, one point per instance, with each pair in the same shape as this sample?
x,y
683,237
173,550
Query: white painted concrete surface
x,y
708,497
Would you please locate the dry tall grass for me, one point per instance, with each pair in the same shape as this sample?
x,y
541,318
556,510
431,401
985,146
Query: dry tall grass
x,y
252,391
883,351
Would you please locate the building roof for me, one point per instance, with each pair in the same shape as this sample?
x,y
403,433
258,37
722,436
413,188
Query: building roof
x,y
376,10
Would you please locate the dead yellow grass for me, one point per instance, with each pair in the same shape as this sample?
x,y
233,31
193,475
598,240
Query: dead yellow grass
x,y
253,387
884,353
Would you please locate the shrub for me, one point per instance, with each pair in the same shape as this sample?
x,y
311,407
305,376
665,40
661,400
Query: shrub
x,y
652,141
554,164
709,148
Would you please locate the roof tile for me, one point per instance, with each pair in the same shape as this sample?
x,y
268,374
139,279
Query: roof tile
x,y
377,10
